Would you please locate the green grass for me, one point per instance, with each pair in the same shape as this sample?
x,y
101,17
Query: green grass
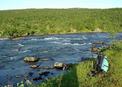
x,y
16,23
77,75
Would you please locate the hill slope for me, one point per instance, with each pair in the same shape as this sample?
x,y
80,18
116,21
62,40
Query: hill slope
x,y
59,21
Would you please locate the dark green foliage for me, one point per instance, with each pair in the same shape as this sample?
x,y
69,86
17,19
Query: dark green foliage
x,y
58,21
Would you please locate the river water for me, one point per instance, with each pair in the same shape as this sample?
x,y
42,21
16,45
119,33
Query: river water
x,y
68,48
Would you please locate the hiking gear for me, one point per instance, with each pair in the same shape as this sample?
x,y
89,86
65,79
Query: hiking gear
x,y
105,64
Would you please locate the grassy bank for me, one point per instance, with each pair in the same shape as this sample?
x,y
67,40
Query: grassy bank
x,y
15,23
77,75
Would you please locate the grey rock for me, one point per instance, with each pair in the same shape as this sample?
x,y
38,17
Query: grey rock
x,y
31,59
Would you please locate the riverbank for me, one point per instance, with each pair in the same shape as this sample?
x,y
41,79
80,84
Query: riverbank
x,y
18,23
77,76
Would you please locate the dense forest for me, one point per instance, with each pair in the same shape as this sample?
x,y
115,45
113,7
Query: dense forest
x,y
16,23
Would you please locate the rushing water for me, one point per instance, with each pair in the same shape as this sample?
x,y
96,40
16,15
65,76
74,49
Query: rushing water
x,y
68,48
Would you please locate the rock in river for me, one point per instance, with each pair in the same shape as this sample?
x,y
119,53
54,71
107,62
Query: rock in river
x,y
34,66
58,65
31,59
94,49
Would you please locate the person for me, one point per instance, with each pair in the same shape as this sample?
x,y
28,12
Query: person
x,y
97,65
99,62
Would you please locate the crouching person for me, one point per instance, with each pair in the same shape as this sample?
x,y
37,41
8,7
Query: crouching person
x,y
101,65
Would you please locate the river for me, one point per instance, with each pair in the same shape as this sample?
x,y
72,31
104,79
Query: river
x,y
66,48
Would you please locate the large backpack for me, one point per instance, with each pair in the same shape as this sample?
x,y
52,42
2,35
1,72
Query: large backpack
x,y
102,63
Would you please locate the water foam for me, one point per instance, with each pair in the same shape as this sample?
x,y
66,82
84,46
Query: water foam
x,y
84,37
52,38
21,45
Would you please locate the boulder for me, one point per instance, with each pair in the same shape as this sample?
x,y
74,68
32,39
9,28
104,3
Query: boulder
x,y
58,65
94,49
34,66
31,59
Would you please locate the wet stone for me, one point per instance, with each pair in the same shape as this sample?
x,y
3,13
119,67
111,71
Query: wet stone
x,y
94,49
31,59
58,65
34,66
61,66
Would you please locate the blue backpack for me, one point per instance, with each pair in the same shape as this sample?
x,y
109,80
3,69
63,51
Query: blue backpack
x,y
105,64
